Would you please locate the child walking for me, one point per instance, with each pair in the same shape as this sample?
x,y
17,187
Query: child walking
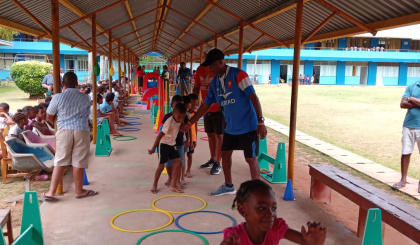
x,y
166,141
193,138
256,202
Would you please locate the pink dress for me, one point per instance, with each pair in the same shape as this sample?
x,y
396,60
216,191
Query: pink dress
x,y
272,237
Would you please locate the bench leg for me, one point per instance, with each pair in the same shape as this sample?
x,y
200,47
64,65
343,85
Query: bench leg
x,y
320,192
362,222
9,229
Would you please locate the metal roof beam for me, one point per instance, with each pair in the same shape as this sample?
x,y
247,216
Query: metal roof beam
x,y
347,17
160,15
253,43
136,39
189,45
319,27
127,6
28,13
80,37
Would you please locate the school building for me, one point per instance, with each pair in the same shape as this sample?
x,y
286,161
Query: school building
x,y
333,62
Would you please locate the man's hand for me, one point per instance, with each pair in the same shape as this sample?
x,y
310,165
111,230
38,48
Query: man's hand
x,y
261,131
150,151
185,127
231,240
316,234
50,87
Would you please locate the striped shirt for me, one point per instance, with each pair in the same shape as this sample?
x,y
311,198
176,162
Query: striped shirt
x,y
72,109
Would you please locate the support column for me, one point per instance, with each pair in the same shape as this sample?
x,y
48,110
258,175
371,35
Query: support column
x,y
93,76
201,52
125,70
275,71
110,58
119,64
295,81
241,44
340,73
215,41
372,69
402,74
191,60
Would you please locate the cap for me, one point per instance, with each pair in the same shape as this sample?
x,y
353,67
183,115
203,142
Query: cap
x,y
212,56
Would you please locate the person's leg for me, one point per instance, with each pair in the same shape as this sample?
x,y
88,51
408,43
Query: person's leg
x,y
189,164
176,163
111,124
78,182
253,167
212,146
405,161
227,166
218,147
408,140
169,171
158,172
56,177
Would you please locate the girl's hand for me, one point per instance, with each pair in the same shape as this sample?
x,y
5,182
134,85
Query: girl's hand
x,y
231,240
150,151
316,234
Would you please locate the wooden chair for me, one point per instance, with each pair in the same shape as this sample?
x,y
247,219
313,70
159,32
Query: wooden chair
x,y
6,161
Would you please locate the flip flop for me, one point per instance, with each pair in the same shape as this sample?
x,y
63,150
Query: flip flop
x,y
117,134
90,193
397,186
48,199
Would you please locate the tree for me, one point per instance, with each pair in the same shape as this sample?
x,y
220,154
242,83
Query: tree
x,y
7,34
28,76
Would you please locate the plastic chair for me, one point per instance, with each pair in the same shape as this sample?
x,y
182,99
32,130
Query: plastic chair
x,y
6,161
43,135
32,139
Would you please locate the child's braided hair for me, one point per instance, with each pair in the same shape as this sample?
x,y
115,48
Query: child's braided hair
x,y
247,188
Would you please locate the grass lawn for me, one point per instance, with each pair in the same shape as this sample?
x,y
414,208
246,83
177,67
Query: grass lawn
x,y
15,97
364,120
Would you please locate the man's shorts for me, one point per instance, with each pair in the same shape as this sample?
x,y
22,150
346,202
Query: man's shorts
x,y
409,137
214,122
248,142
167,152
72,148
140,81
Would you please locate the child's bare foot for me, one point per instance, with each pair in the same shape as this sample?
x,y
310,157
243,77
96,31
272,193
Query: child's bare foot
x,y
183,182
174,189
168,182
154,189
188,175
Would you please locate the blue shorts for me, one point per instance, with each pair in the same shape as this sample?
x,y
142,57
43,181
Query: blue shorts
x,y
181,153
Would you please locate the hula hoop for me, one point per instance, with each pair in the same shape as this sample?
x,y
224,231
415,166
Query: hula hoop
x,y
137,210
205,138
264,171
129,129
199,232
179,212
135,123
131,118
201,130
157,232
124,138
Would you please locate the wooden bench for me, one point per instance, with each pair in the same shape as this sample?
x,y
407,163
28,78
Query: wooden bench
x,y
6,219
396,213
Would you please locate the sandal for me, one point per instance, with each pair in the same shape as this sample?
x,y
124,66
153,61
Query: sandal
x,y
89,193
397,186
47,198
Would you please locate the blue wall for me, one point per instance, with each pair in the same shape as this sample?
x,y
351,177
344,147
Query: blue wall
x,y
352,80
327,80
309,67
374,42
310,45
372,69
342,42
275,71
402,74
390,81
244,64
405,46
62,61
341,72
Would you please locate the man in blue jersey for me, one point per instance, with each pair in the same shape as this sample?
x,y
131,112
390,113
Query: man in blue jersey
x,y
232,89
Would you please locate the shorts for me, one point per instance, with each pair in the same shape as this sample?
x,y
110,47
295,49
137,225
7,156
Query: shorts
x,y
140,81
409,137
214,122
166,153
191,151
181,154
72,148
248,142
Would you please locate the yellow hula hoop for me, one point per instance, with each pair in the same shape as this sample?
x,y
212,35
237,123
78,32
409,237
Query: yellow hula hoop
x,y
171,219
179,212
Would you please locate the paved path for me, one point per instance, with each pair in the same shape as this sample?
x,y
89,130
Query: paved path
x,y
364,165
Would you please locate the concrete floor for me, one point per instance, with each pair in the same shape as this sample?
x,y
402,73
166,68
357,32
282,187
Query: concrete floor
x,y
124,180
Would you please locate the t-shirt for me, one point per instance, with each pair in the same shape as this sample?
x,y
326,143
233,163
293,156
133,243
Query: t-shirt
x,y
2,119
412,117
16,130
180,137
105,107
232,93
204,76
139,73
272,237
170,129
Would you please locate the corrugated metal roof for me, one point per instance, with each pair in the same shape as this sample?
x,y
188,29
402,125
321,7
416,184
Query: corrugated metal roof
x,y
280,26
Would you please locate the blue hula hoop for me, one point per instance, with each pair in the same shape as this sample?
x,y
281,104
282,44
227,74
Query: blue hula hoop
x,y
199,232
131,118
135,123
129,129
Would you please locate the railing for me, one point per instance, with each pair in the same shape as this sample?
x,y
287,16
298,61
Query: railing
x,y
364,49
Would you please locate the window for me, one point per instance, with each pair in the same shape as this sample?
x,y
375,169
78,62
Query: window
x,y
327,68
263,69
354,68
413,70
387,69
6,60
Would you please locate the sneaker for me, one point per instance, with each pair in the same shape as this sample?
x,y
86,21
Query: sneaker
x,y
208,164
215,169
224,190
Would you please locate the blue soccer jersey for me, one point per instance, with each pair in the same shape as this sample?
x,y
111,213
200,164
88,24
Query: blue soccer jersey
x,y
232,92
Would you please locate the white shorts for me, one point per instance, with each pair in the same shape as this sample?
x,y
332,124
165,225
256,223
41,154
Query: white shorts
x,y
409,137
72,148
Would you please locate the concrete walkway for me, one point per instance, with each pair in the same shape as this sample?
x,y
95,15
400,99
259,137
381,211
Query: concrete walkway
x,y
366,166
124,180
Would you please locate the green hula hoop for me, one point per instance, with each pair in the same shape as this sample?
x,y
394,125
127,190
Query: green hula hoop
x,y
189,232
124,138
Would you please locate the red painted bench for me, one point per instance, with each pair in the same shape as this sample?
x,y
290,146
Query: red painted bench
x,y
396,213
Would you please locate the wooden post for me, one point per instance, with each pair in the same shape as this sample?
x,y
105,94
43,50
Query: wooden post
x,y
241,43
191,60
110,58
295,83
201,52
56,65
119,64
94,104
215,41
125,71
185,57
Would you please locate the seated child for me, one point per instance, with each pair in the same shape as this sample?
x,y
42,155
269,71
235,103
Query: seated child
x,y
256,202
166,140
100,116
16,131
40,114
5,116
193,138
32,123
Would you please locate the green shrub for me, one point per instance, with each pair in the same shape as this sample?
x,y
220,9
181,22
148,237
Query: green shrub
x,y
28,76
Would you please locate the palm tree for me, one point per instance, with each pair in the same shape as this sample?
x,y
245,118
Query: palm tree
x,y
7,34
